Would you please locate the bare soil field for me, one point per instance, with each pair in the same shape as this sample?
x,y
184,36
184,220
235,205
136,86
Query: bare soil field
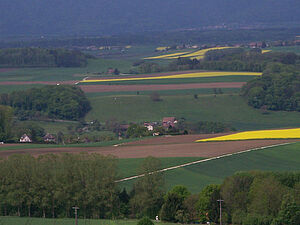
x,y
111,88
175,146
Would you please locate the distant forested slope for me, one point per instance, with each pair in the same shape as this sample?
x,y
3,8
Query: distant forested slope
x,y
100,17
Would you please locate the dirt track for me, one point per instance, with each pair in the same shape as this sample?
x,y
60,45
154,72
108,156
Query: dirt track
x,y
111,88
176,146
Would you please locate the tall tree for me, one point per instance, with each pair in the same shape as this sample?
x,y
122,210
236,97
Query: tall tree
x,y
148,190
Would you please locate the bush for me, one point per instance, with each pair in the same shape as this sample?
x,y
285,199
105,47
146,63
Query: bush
x,y
145,221
154,96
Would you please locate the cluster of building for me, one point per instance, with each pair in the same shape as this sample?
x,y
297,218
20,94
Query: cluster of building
x,y
167,122
48,138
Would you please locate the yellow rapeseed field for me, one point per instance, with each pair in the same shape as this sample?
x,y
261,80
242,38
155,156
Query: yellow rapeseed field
x,y
185,75
200,53
265,51
259,134
161,48
193,55
167,56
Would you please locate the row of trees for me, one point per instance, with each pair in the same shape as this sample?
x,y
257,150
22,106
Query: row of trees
x,y
59,102
39,57
232,59
6,114
48,186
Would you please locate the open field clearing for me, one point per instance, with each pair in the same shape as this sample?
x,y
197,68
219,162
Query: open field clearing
x,y
113,88
258,134
226,108
194,55
193,92
195,177
40,221
184,75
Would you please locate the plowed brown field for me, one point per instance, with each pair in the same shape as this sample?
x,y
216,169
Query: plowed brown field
x,y
173,146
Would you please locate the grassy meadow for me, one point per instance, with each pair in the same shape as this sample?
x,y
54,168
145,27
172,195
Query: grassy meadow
x,y
226,108
295,49
196,177
64,74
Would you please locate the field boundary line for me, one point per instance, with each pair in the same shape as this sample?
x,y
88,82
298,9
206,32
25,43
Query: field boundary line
x,y
204,160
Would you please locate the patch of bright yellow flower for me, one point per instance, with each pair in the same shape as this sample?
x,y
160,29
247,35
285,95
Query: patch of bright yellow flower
x,y
200,53
185,75
169,56
161,48
265,51
259,134
193,55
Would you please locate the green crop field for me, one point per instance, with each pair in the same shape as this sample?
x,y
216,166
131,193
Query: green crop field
x,y
63,74
196,177
295,49
200,91
79,146
231,109
40,221
129,167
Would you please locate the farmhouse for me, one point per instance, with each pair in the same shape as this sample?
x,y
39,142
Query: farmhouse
x,y
150,126
25,139
169,122
49,138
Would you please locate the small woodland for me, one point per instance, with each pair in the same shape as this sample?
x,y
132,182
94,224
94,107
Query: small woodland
x,y
39,57
58,102
277,89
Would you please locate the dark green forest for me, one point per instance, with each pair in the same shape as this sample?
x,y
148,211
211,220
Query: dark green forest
x,y
6,114
58,102
48,186
39,57
277,89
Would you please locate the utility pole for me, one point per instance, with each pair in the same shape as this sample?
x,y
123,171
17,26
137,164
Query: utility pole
x,y
220,200
76,217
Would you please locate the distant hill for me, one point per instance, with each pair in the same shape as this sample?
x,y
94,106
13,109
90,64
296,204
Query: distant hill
x,y
103,17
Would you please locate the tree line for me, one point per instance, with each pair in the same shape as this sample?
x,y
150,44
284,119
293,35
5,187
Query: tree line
x,y
160,38
58,102
49,185
41,57
232,59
